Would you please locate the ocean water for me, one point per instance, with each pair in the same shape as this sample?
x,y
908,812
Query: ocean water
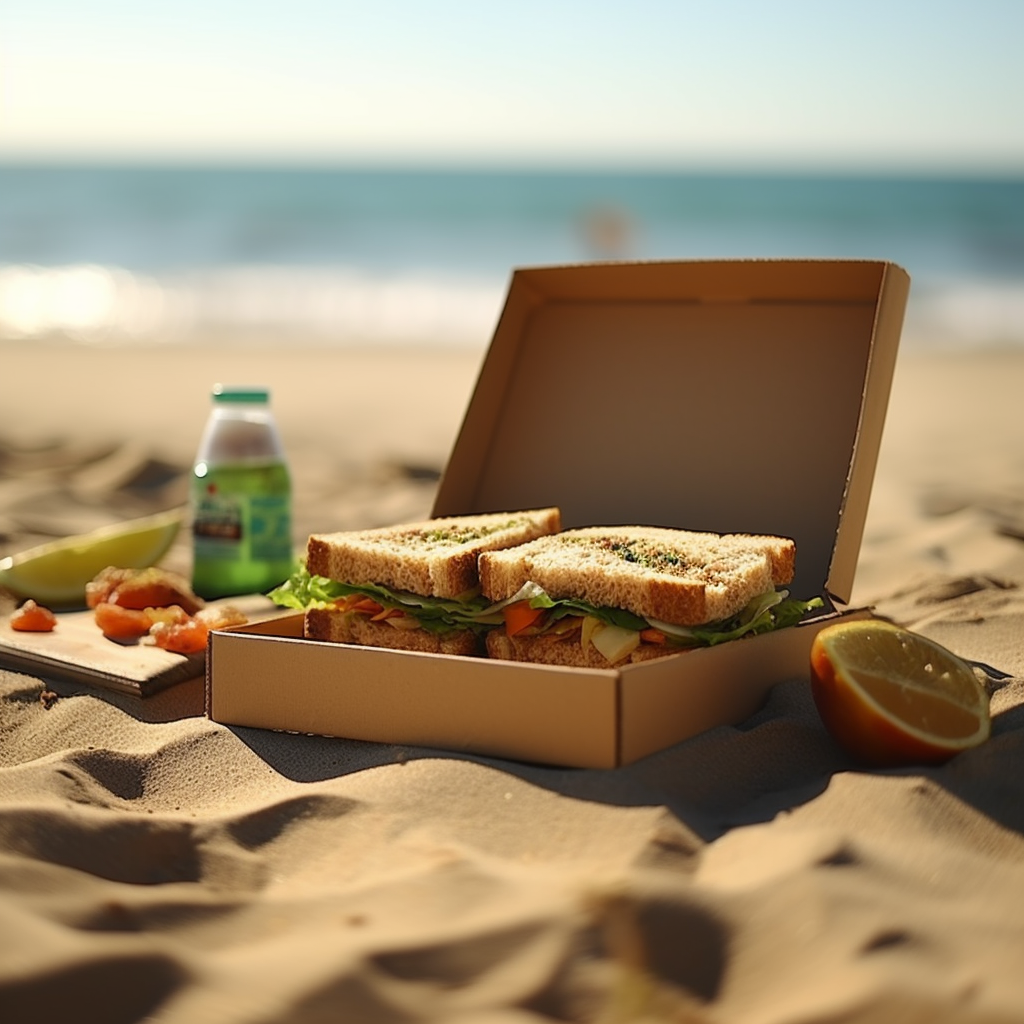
x,y
343,256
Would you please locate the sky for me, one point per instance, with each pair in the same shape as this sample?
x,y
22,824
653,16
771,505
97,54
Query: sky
x,y
903,84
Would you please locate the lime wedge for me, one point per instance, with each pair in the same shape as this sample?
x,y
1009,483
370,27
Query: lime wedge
x,y
55,574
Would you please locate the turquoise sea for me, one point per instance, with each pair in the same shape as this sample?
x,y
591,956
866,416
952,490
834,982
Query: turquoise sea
x,y
354,255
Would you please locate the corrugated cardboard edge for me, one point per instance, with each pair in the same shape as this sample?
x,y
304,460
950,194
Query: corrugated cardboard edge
x,y
888,325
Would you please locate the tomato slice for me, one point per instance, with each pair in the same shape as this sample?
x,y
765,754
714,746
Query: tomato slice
x,y
387,613
520,616
367,605
652,636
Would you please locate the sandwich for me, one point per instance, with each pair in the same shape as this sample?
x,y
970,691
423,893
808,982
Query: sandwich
x,y
413,587
599,597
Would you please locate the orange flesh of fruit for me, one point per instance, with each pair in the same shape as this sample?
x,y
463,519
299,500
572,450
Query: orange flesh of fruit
x,y
931,712
892,697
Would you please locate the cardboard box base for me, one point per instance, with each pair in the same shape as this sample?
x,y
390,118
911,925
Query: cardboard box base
x,y
269,677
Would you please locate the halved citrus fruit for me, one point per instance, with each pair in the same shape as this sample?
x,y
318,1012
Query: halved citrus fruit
x,y
55,574
892,697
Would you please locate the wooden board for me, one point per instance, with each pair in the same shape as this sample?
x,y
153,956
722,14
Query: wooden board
x,y
77,651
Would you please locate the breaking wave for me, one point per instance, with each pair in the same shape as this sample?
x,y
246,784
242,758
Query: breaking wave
x,y
107,305
96,304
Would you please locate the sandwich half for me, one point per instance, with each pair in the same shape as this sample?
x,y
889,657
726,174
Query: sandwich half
x,y
599,597
411,587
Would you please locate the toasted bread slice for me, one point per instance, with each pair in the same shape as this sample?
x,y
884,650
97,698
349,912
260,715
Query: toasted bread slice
x,y
675,576
435,558
549,650
352,628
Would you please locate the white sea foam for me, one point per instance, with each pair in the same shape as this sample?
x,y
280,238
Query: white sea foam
x,y
965,314
344,306
328,305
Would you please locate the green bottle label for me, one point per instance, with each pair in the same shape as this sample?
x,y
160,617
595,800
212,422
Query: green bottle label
x,y
241,528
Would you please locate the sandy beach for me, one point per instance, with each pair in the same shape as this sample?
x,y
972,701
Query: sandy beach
x,y
157,866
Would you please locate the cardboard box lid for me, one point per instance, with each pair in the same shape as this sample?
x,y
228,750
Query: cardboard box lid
x,y
731,396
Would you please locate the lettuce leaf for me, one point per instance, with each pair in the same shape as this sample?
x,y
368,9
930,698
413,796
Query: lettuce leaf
x,y
763,614
560,607
774,610
767,612
438,615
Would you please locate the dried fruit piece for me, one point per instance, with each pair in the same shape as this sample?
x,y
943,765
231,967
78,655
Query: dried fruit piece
x,y
151,587
189,635
33,618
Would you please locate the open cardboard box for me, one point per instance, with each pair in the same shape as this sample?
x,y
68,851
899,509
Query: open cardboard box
x,y
730,396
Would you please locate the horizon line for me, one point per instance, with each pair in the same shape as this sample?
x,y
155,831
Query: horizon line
x,y
736,168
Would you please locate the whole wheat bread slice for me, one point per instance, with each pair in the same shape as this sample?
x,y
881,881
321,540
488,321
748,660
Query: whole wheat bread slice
x,y
676,576
434,558
550,650
353,628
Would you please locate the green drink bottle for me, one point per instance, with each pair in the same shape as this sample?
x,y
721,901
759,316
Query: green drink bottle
x,y
241,498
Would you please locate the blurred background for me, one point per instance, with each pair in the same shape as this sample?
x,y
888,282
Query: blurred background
x,y
351,174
